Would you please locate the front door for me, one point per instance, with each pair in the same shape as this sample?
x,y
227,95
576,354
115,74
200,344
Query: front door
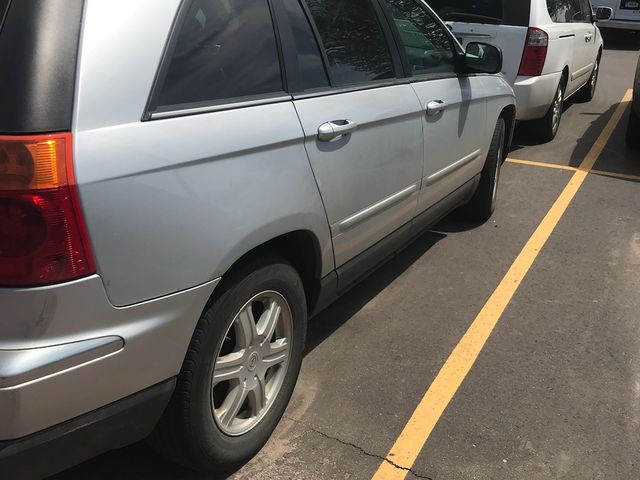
x,y
585,49
454,108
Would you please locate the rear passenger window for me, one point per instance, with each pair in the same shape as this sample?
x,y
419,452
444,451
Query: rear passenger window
x,y
427,46
225,49
568,11
353,41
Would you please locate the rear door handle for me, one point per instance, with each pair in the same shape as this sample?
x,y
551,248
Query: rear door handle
x,y
435,107
329,131
588,37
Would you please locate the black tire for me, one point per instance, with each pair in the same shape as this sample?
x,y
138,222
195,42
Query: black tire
x,y
483,203
588,90
188,433
633,130
546,128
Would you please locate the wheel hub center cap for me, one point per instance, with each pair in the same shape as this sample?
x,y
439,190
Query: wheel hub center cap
x,y
253,362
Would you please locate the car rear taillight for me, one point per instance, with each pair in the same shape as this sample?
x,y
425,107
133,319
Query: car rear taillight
x,y
535,53
43,238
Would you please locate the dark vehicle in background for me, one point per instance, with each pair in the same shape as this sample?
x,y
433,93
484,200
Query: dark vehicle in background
x,y
633,129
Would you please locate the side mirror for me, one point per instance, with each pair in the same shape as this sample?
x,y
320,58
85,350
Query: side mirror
x,y
482,58
604,14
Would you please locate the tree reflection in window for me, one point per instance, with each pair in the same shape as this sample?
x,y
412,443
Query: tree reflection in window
x,y
427,46
353,40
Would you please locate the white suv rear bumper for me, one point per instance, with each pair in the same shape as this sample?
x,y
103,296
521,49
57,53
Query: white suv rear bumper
x,y
534,95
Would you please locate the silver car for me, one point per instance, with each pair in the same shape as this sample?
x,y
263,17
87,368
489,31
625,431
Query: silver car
x,y
184,183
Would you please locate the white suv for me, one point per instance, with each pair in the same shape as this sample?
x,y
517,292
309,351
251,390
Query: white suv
x,y
551,49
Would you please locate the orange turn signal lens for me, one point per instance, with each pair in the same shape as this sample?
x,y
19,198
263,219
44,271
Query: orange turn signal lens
x,y
35,162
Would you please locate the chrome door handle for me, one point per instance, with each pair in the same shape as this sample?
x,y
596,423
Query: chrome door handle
x,y
435,107
329,131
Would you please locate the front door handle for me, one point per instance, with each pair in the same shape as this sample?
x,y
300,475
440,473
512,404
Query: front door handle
x,y
329,131
435,107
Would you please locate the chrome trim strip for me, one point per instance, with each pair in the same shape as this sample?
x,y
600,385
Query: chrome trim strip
x,y
581,72
218,108
22,366
376,208
434,177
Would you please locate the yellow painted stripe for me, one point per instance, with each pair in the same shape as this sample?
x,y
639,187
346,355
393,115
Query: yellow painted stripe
x,y
541,164
624,176
425,417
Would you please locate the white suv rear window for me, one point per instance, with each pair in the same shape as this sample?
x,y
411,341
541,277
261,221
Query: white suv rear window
x,y
495,12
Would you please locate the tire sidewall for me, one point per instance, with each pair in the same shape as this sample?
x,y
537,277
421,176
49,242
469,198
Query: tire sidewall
x,y
209,445
561,88
499,151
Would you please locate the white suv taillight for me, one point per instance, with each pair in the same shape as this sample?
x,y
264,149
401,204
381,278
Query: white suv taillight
x,y
43,238
535,53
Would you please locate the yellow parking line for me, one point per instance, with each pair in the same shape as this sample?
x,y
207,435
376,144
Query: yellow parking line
x,y
404,452
604,173
541,164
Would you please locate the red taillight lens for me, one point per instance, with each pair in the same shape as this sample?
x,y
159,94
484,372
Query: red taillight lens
x,y
42,234
535,53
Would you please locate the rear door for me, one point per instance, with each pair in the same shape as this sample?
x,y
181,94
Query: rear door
x,y
503,23
364,134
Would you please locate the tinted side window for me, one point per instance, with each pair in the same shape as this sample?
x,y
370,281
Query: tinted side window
x,y
482,11
224,49
353,40
427,46
568,11
309,57
4,6
587,9
499,12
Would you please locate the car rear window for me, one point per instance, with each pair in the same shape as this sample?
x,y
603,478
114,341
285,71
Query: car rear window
x,y
223,50
38,58
494,12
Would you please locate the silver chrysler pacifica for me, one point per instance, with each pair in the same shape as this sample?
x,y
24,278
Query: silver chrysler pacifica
x,y
184,182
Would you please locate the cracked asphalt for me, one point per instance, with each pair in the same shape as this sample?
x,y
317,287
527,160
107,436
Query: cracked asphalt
x,y
555,393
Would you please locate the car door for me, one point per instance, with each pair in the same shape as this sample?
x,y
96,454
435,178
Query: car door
x,y
364,134
585,48
454,107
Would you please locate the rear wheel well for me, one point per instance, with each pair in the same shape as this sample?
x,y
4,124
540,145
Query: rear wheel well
x,y
300,248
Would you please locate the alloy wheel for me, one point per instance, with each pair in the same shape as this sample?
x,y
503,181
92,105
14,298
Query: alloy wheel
x,y
557,110
594,77
252,363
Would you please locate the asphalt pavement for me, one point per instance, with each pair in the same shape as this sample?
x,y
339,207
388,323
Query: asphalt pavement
x,y
555,389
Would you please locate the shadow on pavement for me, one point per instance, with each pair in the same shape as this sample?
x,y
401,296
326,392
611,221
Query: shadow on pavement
x,y
322,326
